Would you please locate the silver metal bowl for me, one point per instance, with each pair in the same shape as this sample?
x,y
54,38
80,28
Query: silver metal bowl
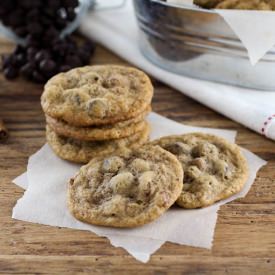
x,y
199,43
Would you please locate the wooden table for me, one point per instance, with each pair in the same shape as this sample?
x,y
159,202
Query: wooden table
x,y
245,234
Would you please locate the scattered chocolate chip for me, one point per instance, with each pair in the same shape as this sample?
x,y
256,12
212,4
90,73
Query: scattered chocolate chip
x,y
20,59
32,40
35,28
42,55
27,70
71,14
54,4
38,77
31,52
10,72
47,66
70,3
40,23
21,31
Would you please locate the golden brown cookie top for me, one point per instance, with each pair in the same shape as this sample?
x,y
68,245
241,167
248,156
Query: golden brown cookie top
x,y
126,190
214,169
97,95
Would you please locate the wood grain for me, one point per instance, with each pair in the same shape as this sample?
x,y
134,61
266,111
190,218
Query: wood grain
x,y
245,234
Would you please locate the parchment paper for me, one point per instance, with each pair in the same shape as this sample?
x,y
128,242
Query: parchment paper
x,y
44,202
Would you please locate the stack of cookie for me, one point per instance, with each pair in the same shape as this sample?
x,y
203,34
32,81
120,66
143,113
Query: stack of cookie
x,y
96,111
134,188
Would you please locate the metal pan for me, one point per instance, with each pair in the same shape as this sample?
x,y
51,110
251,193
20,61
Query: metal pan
x,y
199,43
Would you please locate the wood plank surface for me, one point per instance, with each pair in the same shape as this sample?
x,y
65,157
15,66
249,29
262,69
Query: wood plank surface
x,y
245,234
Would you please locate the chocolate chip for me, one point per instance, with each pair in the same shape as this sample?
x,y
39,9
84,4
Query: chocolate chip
x,y
38,77
54,4
10,72
33,14
51,33
34,28
60,23
42,55
8,5
70,14
45,21
21,31
47,65
31,40
20,59
30,3
31,52
27,70
50,12
40,23
16,18
70,3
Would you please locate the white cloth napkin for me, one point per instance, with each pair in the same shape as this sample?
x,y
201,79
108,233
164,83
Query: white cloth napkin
x,y
118,31
44,201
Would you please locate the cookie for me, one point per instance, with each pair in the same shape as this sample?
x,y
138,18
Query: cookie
x,y
126,190
236,4
111,131
83,151
214,169
244,5
207,4
97,95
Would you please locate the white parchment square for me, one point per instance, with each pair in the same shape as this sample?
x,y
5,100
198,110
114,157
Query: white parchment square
x,y
44,202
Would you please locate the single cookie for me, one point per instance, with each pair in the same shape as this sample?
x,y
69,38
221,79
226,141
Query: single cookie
x,y
83,151
126,190
214,169
97,95
111,131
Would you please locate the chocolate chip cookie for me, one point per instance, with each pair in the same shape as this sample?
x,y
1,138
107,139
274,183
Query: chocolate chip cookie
x,y
83,151
126,190
207,4
244,5
214,169
111,131
237,4
97,95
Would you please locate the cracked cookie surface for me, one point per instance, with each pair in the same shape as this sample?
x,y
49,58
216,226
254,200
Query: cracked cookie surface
x,y
214,169
126,190
111,131
97,95
83,151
